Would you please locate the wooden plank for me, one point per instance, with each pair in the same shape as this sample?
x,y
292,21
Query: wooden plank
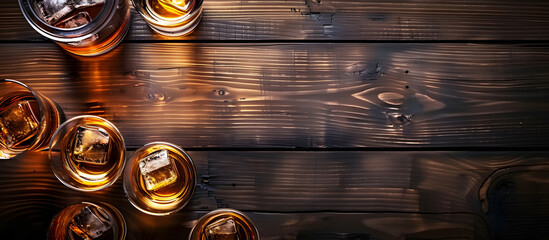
x,y
301,95
515,201
305,195
342,20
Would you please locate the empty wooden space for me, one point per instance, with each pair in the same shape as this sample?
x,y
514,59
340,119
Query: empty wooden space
x,y
301,95
319,119
307,195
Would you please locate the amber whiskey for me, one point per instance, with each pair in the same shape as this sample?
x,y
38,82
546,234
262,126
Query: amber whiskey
x,y
96,43
28,119
88,153
18,120
170,17
91,152
160,178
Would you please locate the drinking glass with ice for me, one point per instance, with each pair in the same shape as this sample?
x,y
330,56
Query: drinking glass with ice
x,y
82,27
28,119
87,153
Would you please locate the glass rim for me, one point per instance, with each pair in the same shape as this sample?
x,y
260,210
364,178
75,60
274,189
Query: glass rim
x,y
149,19
53,142
127,177
64,34
100,204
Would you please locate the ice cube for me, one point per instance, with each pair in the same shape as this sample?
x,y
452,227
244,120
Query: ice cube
x,y
158,170
55,10
222,229
91,145
77,20
17,123
176,6
90,223
167,9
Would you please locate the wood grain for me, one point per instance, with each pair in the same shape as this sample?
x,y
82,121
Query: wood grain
x,y
341,20
301,95
514,200
315,195
275,86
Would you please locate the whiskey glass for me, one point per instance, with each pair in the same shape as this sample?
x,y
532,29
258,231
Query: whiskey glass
x,y
81,27
159,179
170,17
87,153
224,223
28,119
88,220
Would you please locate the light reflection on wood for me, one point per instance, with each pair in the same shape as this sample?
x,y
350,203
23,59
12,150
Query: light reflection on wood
x,y
301,95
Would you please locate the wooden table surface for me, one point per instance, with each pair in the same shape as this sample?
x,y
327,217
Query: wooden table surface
x,y
396,119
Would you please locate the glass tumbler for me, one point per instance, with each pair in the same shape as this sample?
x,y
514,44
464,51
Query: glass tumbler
x,y
28,119
87,153
159,179
82,27
224,223
88,220
170,17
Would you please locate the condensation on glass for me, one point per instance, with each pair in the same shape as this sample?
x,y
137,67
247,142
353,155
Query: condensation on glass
x,y
88,220
224,224
28,119
170,17
87,153
160,178
82,27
